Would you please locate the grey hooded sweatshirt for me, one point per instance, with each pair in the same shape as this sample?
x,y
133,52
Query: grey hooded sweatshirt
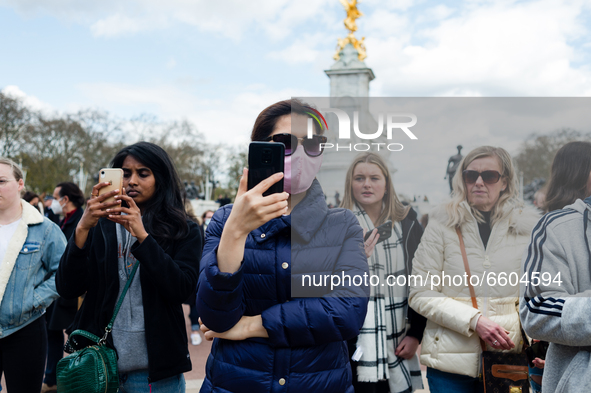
x,y
557,309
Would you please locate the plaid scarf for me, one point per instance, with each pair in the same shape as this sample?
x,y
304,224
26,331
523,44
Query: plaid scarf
x,y
385,324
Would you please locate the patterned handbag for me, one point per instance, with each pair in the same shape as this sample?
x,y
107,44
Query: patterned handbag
x,y
504,372
501,372
93,368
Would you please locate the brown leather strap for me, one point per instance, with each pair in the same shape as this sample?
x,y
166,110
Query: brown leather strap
x,y
467,268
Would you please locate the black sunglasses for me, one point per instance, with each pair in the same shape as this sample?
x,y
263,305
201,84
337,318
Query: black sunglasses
x,y
489,177
312,146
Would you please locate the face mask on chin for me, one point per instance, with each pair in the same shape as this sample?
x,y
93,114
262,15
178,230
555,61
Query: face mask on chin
x,y
56,207
300,171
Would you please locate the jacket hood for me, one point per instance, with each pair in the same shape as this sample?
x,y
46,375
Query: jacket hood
x,y
580,205
522,219
584,208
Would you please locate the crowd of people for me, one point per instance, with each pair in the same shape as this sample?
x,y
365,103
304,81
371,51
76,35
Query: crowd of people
x,y
240,266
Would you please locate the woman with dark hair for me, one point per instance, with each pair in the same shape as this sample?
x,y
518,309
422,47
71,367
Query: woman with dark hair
x,y
268,336
32,198
146,225
388,362
68,200
570,184
569,176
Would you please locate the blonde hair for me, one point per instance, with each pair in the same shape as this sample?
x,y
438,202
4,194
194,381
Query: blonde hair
x,y
393,209
16,169
510,196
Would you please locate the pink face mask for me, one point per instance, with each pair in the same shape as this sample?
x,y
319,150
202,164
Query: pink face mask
x,y
300,171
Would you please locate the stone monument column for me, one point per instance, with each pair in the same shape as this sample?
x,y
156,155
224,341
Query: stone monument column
x,y
349,76
349,91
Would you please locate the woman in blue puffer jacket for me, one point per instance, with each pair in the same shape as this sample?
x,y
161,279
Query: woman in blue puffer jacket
x,y
262,260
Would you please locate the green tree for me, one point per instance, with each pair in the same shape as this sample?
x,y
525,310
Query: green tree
x,y
237,160
537,152
185,146
15,120
54,150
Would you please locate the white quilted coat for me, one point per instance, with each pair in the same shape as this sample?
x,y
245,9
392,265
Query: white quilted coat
x,y
449,344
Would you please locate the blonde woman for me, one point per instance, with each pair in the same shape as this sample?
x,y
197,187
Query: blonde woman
x,y
495,228
387,343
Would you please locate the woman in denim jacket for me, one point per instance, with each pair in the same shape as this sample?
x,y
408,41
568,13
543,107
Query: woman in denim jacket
x,y
30,249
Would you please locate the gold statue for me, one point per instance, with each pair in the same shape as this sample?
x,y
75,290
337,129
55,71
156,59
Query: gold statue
x,y
352,14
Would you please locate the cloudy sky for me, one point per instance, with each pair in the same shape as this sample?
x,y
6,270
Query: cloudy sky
x,y
218,63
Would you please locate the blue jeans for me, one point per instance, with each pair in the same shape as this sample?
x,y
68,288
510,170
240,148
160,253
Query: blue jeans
x,y
535,387
137,382
194,317
442,382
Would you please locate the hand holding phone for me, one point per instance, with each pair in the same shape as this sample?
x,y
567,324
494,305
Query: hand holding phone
x,y
384,230
113,176
251,209
103,198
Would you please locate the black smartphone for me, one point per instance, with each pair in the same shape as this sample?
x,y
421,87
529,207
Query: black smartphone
x,y
265,159
536,350
384,230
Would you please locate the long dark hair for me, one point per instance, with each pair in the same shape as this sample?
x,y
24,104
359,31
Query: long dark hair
x,y
164,214
73,193
569,175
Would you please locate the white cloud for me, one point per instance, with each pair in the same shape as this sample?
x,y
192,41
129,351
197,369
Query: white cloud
x,y
385,24
230,18
298,52
118,25
30,101
220,120
398,5
506,48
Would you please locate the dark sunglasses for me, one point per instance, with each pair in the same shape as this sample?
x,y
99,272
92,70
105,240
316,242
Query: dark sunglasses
x,y
489,177
312,146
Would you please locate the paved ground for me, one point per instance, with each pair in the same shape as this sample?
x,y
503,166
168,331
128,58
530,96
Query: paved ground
x,y
199,354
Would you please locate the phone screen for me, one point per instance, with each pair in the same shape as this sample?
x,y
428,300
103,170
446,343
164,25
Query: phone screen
x,y
265,159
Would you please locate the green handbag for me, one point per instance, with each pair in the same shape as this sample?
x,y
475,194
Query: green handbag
x,y
92,369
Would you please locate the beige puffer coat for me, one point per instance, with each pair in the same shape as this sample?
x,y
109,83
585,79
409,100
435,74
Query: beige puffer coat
x,y
449,343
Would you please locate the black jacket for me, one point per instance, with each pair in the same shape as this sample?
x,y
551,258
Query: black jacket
x,y
411,237
62,311
168,274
